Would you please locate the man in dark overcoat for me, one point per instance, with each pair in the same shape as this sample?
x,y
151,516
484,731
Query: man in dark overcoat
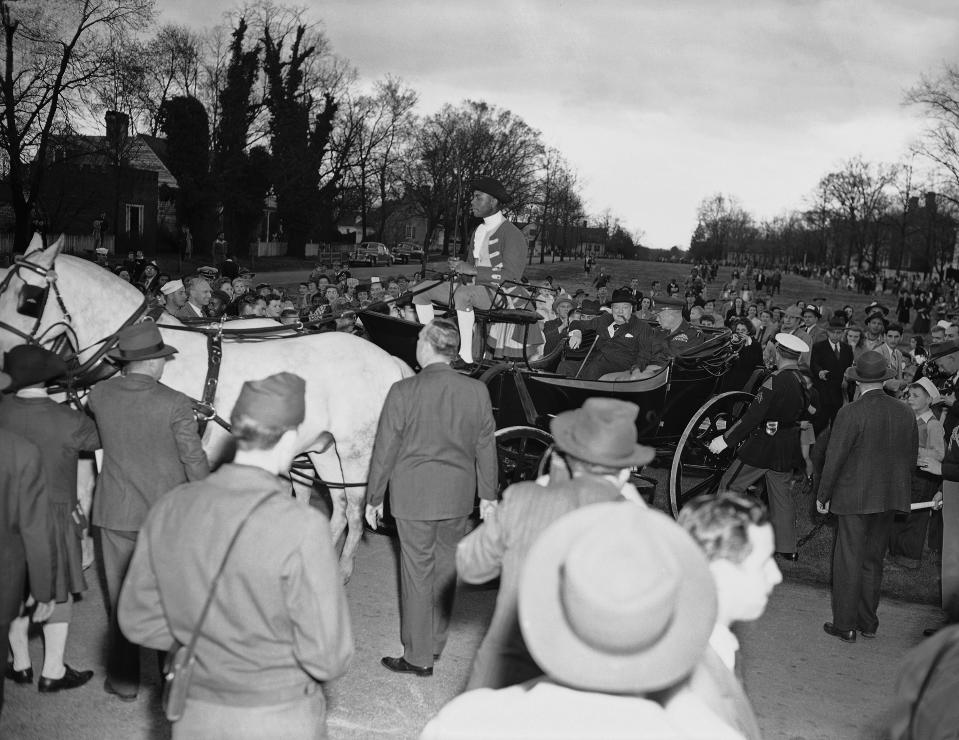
x,y
828,362
873,448
498,252
150,446
435,447
598,445
26,535
769,431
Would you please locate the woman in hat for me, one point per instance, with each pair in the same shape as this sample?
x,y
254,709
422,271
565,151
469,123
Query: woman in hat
x,y
61,433
555,331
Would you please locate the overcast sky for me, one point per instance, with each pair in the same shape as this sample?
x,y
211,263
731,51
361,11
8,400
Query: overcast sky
x,y
660,103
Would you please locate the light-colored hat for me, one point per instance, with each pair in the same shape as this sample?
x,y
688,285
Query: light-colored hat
x,y
943,324
929,387
616,598
171,286
562,298
603,432
101,250
791,343
374,279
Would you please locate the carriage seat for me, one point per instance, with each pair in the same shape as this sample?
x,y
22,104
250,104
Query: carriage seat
x,y
519,316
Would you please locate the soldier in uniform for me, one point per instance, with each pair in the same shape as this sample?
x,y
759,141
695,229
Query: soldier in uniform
x,y
770,428
498,252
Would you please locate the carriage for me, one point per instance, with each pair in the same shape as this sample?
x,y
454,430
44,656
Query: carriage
x,y
680,408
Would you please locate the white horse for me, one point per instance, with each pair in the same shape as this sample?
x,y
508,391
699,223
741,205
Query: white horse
x,y
347,378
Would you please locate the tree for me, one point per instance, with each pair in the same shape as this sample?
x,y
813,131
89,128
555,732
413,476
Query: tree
x,y
723,228
938,98
51,51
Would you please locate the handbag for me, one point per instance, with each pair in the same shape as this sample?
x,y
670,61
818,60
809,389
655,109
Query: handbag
x,y
181,659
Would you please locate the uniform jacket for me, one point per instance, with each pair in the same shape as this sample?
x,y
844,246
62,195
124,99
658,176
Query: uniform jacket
x,y
823,357
872,452
279,619
150,445
508,252
498,547
434,446
683,338
634,344
61,432
770,425
26,529
721,691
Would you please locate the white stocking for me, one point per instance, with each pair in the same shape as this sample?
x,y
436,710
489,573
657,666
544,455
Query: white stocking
x,y
19,643
466,319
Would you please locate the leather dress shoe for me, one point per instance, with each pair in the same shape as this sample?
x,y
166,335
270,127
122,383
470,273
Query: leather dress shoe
x,y
790,556
71,679
400,665
867,634
22,676
108,687
845,635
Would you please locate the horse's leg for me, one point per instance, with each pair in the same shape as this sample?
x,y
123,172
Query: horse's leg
x,y
327,468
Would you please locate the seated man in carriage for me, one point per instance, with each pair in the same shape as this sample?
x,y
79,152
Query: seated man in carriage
x,y
498,253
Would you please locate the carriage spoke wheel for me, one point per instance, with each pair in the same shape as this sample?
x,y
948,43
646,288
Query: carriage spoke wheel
x,y
695,470
520,450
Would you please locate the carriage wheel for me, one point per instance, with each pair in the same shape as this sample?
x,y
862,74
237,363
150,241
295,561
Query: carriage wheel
x,y
520,451
695,470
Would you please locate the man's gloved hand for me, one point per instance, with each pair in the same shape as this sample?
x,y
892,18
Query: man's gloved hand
x,y
822,507
486,508
575,339
718,445
373,515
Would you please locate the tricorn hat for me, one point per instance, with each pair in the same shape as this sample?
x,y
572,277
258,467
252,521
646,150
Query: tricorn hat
x,y
603,432
870,367
492,186
29,364
140,342
616,598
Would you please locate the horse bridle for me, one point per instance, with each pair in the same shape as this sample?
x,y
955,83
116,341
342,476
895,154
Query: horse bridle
x,y
31,337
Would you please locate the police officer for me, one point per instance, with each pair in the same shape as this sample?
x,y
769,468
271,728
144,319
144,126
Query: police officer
x,y
770,428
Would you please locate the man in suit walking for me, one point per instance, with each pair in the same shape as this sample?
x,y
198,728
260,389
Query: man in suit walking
x,y
873,448
735,534
435,447
597,443
150,446
828,362
26,536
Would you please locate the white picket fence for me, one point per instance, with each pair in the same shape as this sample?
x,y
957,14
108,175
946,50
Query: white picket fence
x,y
72,243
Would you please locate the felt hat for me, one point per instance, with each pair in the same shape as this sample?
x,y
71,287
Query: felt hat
x,y
794,311
790,345
870,367
837,322
277,401
140,342
813,309
28,364
560,299
876,306
616,598
171,286
491,186
602,431
589,307
621,295
942,349
930,388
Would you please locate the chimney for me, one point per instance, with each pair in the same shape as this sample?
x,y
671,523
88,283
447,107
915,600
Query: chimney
x,y
913,203
118,126
931,202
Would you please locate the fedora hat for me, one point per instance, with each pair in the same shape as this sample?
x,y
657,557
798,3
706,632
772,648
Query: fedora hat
x,y
603,432
943,348
560,299
140,342
621,295
29,364
837,322
491,186
870,367
616,598
590,307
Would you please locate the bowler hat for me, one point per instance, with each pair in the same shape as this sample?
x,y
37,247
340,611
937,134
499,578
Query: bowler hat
x,y
870,367
603,432
491,186
621,295
29,364
140,342
616,598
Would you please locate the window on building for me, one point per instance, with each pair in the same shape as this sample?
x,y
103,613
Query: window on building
x,y
410,232
134,218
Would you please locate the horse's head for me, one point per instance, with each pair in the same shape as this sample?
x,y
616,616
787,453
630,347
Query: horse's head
x,y
26,314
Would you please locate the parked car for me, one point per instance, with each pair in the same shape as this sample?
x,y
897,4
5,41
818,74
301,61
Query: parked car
x,y
407,252
371,254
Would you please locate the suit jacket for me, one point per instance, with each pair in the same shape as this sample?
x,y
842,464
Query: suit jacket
x,y
721,691
188,311
498,547
822,357
61,432
150,446
872,452
279,619
435,446
634,344
27,542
